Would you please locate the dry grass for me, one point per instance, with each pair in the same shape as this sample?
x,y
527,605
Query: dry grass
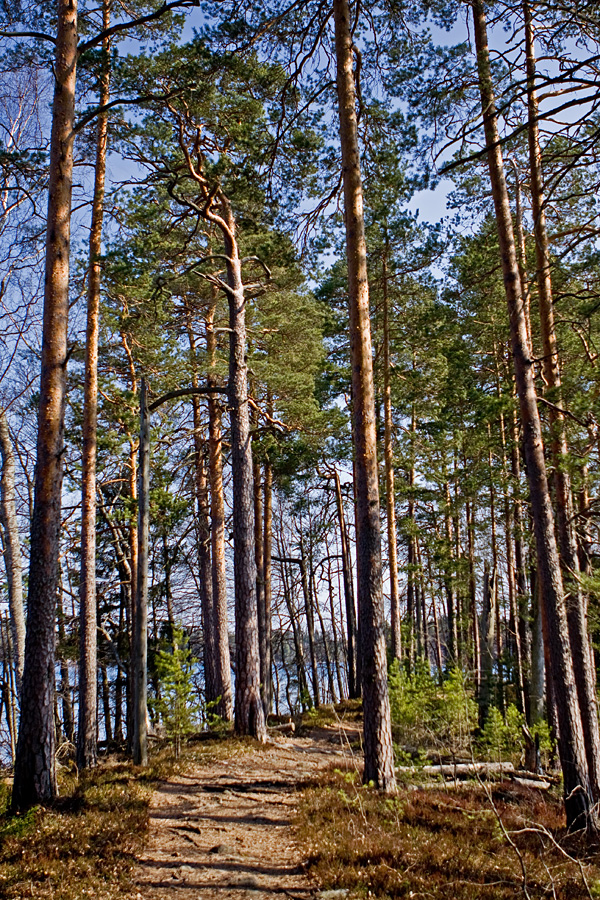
x,y
86,845
443,844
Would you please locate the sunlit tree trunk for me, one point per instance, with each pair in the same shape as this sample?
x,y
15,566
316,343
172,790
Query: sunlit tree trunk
x,y
390,494
249,712
577,786
35,768
575,601
139,663
87,750
379,762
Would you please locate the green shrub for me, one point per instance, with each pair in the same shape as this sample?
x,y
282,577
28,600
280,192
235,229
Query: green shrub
x,y
176,703
427,715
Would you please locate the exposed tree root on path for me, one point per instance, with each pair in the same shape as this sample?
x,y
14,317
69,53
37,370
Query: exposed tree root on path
x,y
225,829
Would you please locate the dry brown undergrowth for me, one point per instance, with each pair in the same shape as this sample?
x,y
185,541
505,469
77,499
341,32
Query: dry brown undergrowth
x,y
87,844
443,844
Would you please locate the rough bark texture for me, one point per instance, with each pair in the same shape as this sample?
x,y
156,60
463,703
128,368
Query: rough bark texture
x,y
379,763
390,494
511,578
260,586
12,549
249,712
577,787
488,644
87,750
310,625
575,601
476,663
35,769
140,633
353,690
267,671
211,680
217,519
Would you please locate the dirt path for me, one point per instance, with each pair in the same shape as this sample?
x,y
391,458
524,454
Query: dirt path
x,y
224,830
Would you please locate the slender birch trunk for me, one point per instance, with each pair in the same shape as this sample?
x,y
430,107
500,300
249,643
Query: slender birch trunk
x,y
353,690
310,625
12,548
217,525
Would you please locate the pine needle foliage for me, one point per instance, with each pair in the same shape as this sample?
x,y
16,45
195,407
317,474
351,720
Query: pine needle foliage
x,y
176,703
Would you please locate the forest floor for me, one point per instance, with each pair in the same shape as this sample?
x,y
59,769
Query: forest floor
x,y
225,829
235,820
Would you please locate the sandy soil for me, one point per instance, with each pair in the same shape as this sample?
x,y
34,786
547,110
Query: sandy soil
x,y
225,830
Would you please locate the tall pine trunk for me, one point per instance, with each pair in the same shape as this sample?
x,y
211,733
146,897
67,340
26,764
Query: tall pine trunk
x,y
379,763
249,712
577,788
87,750
575,601
35,767
139,663
390,494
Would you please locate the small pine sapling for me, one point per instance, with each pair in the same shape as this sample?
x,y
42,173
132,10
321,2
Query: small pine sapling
x,y
176,703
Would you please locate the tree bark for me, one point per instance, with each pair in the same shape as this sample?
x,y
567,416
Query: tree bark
x,y
577,787
35,768
488,649
87,750
12,548
379,762
212,682
448,578
521,576
470,516
390,493
260,593
217,530
511,577
249,712
575,601
310,625
267,674
140,636
353,690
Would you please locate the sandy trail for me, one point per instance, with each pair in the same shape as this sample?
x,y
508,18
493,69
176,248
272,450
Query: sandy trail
x,y
224,830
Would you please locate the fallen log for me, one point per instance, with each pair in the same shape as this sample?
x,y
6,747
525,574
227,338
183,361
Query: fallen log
x,y
462,770
284,728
